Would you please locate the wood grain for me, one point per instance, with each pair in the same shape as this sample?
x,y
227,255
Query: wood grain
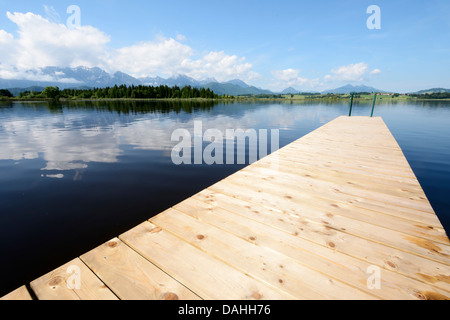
x,y
131,277
308,221
20,294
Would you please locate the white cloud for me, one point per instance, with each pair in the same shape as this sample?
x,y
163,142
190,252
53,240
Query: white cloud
x,y
287,74
54,176
181,37
220,66
5,37
375,72
51,13
41,43
9,72
150,58
357,72
169,57
351,73
291,78
6,41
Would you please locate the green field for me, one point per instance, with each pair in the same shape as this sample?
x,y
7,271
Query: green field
x,y
190,93
368,97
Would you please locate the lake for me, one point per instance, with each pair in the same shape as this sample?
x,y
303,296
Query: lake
x,y
75,175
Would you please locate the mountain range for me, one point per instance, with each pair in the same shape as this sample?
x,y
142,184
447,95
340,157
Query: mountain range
x,y
349,89
84,77
433,90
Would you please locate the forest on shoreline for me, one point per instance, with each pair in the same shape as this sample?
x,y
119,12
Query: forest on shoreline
x,y
124,92
116,92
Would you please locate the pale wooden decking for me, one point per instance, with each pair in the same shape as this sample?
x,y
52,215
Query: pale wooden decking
x,y
307,222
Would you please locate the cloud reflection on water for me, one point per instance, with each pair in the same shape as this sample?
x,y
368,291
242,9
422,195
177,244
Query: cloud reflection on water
x,y
71,140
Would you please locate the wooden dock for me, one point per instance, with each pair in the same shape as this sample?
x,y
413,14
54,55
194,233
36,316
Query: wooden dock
x,y
337,214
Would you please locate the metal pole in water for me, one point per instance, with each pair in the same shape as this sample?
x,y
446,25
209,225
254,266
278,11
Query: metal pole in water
x,y
373,106
351,105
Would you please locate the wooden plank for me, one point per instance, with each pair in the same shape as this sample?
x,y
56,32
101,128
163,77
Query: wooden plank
x,y
334,196
62,284
306,222
131,277
371,134
339,162
325,144
360,203
365,170
295,173
409,200
369,156
383,256
343,190
337,172
380,145
205,275
262,263
325,259
325,165
388,219
20,294
276,198
374,139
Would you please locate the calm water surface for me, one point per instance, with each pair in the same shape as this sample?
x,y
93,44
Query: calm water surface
x,y
73,176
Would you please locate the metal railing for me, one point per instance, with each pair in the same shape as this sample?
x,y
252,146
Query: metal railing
x,y
373,105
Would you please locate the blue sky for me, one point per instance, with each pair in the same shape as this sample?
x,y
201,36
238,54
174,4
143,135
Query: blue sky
x,y
310,45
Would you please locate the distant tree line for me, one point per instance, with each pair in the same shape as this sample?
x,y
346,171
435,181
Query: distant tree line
x,y
262,96
124,92
434,95
5,93
309,94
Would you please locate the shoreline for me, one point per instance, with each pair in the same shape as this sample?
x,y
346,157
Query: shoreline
x,y
242,98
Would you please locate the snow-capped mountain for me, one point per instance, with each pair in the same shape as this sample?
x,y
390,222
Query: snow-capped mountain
x,y
98,78
82,77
